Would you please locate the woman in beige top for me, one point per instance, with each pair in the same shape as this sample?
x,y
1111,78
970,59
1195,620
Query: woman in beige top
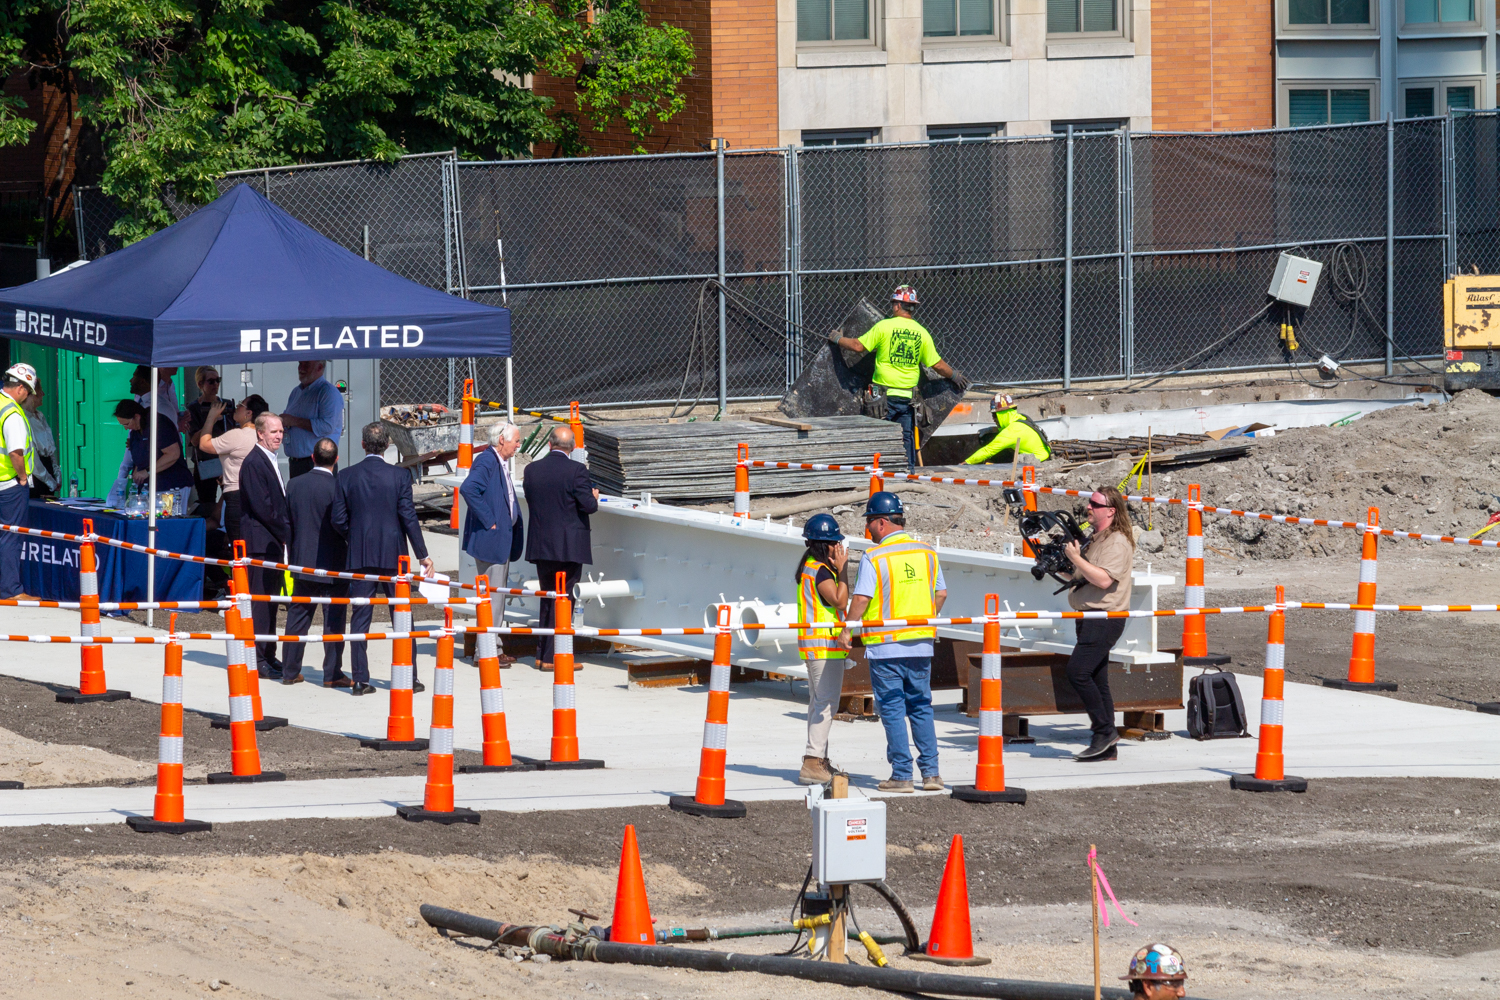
x,y
232,447
1101,582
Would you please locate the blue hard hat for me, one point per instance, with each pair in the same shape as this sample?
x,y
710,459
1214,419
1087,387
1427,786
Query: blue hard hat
x,y
822,528
883,504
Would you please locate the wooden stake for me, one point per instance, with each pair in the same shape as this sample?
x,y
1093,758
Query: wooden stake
x,y
1094,903
838,934
1150,480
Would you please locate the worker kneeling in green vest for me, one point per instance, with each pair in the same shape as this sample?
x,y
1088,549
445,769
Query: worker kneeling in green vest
x,y
17,461
1017,433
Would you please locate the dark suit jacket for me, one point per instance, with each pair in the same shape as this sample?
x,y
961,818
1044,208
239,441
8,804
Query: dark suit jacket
x,y
265,519
315,541
373,509
488,534
560,497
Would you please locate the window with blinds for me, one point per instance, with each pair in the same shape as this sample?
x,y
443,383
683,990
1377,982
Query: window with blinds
x,y
1327,107
1421,102
833,20
1302,12
958,18
1080,16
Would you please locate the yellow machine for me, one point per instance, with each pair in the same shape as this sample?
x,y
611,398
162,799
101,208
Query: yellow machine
x,y
1471,332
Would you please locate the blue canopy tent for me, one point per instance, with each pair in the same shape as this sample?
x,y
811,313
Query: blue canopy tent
x,y
241,281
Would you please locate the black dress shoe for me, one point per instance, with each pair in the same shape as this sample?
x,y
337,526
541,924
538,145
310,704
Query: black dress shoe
x,y
1113,753
362,689
294,679
1100,745
268,673
418,686
339,682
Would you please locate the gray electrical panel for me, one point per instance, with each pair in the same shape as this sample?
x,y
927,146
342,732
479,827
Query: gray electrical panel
x,y
848,841
1295,280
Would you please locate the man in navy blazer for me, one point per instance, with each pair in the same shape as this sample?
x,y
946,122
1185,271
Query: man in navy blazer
x,y
560,498
316,542
493,531
373,509
266,523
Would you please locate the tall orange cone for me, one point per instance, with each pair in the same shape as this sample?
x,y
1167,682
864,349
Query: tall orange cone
x,y
400,724
952,939
240,620
877,482
91,686
742,481
244,755
465,446
1362,656
437,800
631,923
496,738
1195,627
1028,478
1270,773
989,775
167,813
708,799
564,692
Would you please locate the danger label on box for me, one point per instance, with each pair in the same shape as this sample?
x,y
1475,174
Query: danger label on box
x,y
856,829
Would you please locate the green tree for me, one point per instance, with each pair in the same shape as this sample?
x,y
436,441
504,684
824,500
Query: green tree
x,y
183,90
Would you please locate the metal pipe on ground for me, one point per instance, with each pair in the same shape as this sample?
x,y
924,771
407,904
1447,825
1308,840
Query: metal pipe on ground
x,y
546,941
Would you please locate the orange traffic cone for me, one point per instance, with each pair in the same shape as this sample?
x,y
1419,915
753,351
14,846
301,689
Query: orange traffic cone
x,y
952,940
631,923
167,815
437,800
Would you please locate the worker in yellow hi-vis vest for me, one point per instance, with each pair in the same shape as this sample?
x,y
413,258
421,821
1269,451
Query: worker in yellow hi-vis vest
x,y
902,347
16,464
900,578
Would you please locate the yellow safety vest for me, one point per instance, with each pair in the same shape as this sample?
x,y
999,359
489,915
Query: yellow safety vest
x,y
815,644
904,573
7,468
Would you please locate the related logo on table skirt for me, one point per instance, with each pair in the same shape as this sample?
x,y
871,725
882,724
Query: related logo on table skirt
x,y
49,554
312,338
84,331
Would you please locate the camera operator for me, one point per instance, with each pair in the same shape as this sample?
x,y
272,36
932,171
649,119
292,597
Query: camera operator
x,y
1102,583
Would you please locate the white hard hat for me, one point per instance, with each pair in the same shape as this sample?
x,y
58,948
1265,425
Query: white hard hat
x,y
23,373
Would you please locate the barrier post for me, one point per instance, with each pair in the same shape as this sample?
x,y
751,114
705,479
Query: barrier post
x,y
564,698
400,725
575,423
1195,627
465,445
91,685
167,814
1362,656
437,800
709,798
877,482
244,755
1270,775
742,481
491,696
989,776
243,625
1028,478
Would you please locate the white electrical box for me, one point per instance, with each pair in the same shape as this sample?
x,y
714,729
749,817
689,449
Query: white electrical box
x,y
848,841
1295,280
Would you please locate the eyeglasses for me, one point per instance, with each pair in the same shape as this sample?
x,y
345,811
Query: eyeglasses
x,y
212,381
1101,506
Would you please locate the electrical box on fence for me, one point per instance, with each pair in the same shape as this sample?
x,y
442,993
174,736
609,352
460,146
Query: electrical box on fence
x,y
1295,280
848,841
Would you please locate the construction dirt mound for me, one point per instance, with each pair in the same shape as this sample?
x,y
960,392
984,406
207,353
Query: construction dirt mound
x,y
41,764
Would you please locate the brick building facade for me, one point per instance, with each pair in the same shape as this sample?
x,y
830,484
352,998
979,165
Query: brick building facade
x,y
46,167
1213,65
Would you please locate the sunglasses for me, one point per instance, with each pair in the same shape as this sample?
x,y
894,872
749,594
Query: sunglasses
x,y
1100,506
212,381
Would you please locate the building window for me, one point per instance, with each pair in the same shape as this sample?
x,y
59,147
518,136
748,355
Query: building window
x,y
1421,102
958,18
1300,12
833,20
964,131
848,137
1083,16
1328,107
1424,98
1439,11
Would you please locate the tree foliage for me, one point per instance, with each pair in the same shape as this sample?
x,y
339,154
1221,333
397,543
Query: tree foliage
x,y
181,91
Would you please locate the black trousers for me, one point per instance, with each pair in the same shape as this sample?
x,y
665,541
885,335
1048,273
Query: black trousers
x,y
899,410
547,578
362,615
299,618
264,613
232,517
1088,670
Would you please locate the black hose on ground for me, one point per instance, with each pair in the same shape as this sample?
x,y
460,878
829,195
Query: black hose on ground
x,y
908,925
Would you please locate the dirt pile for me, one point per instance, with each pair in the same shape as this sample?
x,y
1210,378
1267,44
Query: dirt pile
x,y
42,764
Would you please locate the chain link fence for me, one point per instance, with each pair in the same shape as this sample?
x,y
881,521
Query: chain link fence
x,y
683,277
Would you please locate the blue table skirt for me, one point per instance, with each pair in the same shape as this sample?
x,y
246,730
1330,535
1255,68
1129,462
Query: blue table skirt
x,y
49,566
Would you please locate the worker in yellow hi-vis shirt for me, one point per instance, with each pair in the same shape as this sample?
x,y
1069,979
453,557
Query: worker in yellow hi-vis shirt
x,y
902,347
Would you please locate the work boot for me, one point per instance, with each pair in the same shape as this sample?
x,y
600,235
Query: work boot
x,y
814,772
895,785
1099,747
932,783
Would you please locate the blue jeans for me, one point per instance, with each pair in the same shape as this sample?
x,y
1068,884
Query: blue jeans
x,y
14,509
899,410
903,691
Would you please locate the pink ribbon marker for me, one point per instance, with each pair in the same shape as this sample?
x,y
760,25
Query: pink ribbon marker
x,y
1102,888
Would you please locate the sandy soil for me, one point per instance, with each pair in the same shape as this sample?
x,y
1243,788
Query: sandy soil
x,y
42,763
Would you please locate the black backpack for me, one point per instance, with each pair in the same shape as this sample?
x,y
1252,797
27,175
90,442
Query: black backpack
x,y
1039,433
1215,710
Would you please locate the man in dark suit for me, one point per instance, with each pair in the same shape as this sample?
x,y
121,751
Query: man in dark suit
x,y
493,531
560,498
266,524
315,542
373,509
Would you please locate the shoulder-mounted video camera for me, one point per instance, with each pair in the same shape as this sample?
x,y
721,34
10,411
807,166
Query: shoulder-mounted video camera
x,y
1048,532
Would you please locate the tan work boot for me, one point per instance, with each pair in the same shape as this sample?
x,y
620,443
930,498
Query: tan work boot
x,y
932,783
895,785
814,772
